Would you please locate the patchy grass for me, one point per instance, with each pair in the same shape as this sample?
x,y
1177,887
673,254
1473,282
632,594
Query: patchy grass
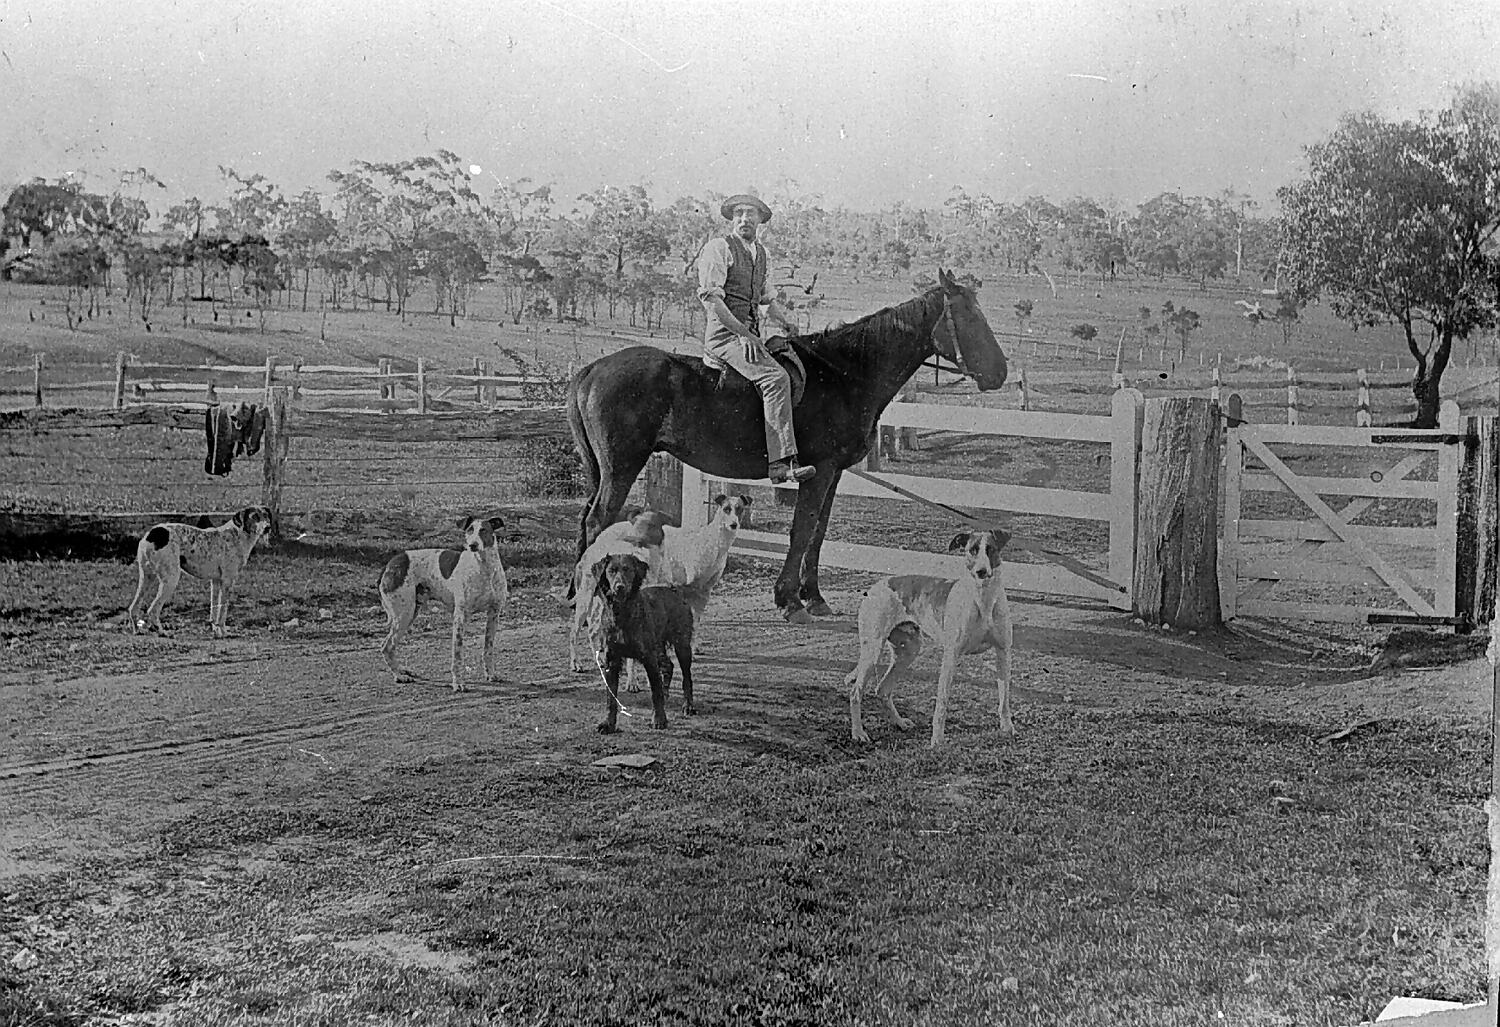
x,y
1108,867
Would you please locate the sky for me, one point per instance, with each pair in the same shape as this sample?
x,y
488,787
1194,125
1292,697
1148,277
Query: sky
x,y
859,104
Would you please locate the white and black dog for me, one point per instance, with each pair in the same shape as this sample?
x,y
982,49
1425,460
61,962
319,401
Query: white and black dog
x,y
217,555
465,581
969,615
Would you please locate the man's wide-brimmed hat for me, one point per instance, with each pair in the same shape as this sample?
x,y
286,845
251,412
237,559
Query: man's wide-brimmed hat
x,y
744,200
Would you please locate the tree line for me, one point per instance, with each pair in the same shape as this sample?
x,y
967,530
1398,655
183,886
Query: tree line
x,y
1394,223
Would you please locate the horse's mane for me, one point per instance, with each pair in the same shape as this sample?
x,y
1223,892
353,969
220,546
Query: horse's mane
x,y
900,318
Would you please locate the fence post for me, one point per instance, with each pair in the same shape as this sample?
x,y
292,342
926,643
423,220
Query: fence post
x,y
692,509
36,378
276,444
662,482
1449,464
872,458
1176,576
1124,481
120,358
1362,407
421,385
1021,384
1478,548
213,394
906,438
296,379
1291,395
270,377
1213,392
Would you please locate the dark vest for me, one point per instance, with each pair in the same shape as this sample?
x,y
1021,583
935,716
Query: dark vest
x,y
745,283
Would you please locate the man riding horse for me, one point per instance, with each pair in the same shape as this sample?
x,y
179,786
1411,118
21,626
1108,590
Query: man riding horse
x,y
732,285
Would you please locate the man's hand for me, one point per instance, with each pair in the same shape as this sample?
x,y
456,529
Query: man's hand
x,y
754,349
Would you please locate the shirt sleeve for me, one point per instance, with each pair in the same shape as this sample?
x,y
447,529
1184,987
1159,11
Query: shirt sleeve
x,y
713,268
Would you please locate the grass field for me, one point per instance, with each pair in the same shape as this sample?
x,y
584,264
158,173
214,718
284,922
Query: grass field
x,y
264,831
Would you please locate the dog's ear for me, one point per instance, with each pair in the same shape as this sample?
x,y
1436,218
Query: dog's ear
x,y
600,570
496,521
717,500
1002,537
463,522
747,500
241,518
959,541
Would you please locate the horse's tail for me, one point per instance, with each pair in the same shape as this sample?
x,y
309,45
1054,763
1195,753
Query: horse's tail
x,y
590,458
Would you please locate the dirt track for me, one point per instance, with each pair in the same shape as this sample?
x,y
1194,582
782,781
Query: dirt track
x,y
90,763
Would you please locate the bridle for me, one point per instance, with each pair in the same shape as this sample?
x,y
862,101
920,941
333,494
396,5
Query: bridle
x,y
945,332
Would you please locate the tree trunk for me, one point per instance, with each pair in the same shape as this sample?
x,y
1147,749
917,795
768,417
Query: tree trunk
x,y
1176,577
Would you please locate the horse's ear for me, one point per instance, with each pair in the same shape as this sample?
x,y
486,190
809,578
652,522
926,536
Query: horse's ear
x,y
946,280
959,541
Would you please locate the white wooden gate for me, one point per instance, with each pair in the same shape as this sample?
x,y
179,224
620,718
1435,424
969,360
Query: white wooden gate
x,y
1386,569
1059,575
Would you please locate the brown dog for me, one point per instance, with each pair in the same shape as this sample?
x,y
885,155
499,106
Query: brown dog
x,y
636,623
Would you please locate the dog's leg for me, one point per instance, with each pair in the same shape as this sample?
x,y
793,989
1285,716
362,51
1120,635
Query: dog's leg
x,y
583,598
906,643
491,629
400,610
457,663
1002,676
632,683
611,670
944,690
658,694
167,584
144,578
685,663
857,680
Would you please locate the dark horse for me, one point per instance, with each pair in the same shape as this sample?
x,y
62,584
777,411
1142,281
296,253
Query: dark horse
x,y
628,405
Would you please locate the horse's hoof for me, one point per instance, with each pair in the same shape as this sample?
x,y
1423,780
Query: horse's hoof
x,y
798,616
818,608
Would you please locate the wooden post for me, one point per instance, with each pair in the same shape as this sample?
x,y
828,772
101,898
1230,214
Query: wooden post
x,y
478,387
296,379
1215,389
1450,463
1176,578
275,445
662,481
906,438
387,390
213,393
872,458
1362,407
421,385
1291,395
36,378
692,511
1021,384
1478,549
1126,409
120,360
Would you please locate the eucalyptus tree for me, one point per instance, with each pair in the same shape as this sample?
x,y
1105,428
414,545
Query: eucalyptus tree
x,y
1396,222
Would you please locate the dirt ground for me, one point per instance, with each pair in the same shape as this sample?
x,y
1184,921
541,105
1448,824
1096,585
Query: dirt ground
x,y
104,737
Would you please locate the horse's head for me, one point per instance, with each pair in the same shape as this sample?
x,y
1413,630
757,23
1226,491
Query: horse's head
x,y
963,336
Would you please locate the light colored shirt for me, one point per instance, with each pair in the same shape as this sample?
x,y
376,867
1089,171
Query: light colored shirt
x,y
713,268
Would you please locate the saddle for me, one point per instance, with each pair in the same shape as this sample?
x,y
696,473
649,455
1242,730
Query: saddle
x,y
780,347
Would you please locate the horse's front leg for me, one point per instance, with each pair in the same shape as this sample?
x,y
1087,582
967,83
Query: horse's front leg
x,y
809,591
810,502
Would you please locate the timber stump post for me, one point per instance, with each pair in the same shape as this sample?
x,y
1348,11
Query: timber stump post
x,y
277,442
1478,522
1176,575
662,482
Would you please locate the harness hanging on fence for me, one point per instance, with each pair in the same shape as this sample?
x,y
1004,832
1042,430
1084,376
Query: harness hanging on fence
x,y
220,433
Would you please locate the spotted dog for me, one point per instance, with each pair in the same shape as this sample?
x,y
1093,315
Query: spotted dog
x,y
969,615
215,554
465,581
